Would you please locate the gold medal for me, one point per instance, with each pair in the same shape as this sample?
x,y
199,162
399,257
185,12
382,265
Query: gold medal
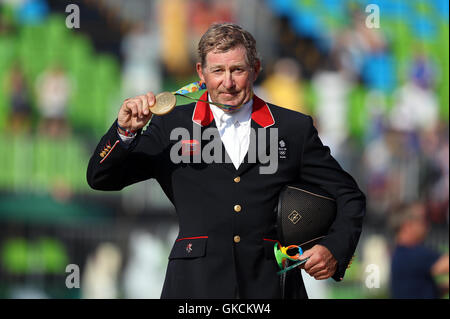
x,y
165,102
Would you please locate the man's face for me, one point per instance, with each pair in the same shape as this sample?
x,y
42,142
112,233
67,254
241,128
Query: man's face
x,y
228,77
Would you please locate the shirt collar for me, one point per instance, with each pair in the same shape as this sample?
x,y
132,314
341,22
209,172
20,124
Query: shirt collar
x,y
261,114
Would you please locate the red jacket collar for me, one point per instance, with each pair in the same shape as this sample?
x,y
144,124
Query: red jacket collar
x,y
261,114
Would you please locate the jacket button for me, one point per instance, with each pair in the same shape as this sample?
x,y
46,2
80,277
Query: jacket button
x,y
237,208
237,179
237,239
102,154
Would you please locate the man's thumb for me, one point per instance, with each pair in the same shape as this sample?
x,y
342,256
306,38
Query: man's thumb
x,y
306,254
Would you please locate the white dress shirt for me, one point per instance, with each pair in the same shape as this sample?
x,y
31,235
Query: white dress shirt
x,y
234,129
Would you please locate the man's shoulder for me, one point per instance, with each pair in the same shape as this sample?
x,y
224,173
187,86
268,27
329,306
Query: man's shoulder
x,y
285,115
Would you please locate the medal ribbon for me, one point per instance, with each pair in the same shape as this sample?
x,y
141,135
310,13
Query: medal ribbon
x,y
197,86
282,256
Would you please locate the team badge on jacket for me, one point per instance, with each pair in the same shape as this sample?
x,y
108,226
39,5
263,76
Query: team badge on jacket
x,y
190,147
282,149
189,248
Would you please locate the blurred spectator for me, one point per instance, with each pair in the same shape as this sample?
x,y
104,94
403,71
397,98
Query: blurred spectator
x,y
147,261
100,278
203,13
375,252
376,105
416,104
355,43
141,68
19,97
414,266
332,86
392,166
283,86
174,34
53,91
434,178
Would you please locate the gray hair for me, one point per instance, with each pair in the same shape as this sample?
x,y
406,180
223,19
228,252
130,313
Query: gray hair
x,y
223,37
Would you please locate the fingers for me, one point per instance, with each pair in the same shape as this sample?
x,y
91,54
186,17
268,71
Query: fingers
x,y
314,264
144,106
316,270
139,105
306,254
322,275
151,99
132,107
147,101
319,271
135,112
321,263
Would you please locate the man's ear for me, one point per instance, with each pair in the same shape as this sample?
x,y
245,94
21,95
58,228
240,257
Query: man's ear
x,y
257,69
200,71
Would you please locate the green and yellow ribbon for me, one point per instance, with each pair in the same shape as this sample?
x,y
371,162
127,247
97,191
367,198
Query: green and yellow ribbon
x,y
201,86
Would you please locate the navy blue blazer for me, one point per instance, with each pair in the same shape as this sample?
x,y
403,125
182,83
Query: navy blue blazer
x,y
227,216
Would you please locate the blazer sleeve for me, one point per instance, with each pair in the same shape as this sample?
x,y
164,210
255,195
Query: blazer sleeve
x,y
320,168
115,164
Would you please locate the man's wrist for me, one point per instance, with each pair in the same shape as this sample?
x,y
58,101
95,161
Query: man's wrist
x,y
125,131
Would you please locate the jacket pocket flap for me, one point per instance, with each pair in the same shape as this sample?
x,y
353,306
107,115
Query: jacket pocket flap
x,y
190,247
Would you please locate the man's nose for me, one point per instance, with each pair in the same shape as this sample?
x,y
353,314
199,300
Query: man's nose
x,y
228,81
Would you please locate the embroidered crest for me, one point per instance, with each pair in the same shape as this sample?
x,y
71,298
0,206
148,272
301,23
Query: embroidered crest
x,y
189,248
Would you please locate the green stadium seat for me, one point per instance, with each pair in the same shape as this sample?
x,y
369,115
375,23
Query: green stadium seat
x,y
6,161
7,52
4,99
357,113
43,162
14,255
51,254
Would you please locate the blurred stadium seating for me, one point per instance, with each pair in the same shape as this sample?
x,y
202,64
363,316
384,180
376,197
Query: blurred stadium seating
x,y
406,24
49,217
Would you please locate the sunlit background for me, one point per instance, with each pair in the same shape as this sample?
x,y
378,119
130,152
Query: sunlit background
x,y
378,91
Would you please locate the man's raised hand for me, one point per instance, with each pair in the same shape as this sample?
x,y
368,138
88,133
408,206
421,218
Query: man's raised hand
x,y
134,113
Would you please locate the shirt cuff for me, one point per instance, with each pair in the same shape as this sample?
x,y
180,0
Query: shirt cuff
x,y
126,139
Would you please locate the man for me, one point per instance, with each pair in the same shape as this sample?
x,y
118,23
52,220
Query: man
x,y
226,209
414,267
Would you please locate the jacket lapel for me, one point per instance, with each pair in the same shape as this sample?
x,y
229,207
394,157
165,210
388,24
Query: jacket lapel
x,y
261,120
